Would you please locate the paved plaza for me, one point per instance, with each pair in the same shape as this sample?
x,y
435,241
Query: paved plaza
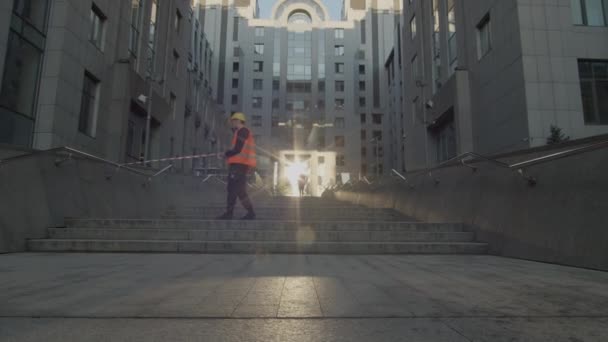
x,y
162,297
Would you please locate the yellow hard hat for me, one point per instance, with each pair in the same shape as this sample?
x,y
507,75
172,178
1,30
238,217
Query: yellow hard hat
x,y
238,116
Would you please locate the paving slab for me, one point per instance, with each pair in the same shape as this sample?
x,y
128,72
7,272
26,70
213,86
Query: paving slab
x,y
113,297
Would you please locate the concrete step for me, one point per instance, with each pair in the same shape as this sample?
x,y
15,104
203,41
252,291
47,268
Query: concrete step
x,y
300,235
340,210
337,214
262,225
151,246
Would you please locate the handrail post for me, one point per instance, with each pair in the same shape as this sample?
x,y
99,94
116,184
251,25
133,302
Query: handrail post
x,y
58,161
160,172
531,180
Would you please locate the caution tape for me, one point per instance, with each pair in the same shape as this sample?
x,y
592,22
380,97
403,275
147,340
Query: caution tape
x,y
195,156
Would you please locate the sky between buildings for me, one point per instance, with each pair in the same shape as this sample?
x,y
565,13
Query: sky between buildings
x,y
334,7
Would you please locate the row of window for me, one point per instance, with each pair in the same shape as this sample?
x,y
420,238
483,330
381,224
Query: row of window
x,y
295,69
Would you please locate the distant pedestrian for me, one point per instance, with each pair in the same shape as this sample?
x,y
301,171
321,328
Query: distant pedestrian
x,y
302,180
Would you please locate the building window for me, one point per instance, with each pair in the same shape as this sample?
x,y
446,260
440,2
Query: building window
x,y
340,160
339,141
19,90
378,151
377,135
339,104
299,87
175,67
256,121
178,21
98,22
590,12
452,44
276,84
363,118
377,119
364,152
363,135
339,123
136,22
445,138
258,66
415,68
87,122
361,69
236,51
413,27
339,50
235,83
173,105
594,90
235,29
235,67
363,32
362,101
321,104
436,47
259,31
339,68
259,49
235,99
256,102
321,86
364,170
484,37
275,103
151,53
258,84
339,33
361,85
339,86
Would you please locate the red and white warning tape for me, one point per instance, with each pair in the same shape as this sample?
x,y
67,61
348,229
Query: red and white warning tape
x,y
196,156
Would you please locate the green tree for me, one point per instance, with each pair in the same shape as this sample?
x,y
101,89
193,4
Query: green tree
x,y
556,136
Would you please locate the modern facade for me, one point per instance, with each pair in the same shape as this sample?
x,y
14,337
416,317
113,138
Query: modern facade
x,y
306,81
494,76
86,74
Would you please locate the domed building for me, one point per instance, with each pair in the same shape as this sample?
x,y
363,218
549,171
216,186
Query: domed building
x,y
310,83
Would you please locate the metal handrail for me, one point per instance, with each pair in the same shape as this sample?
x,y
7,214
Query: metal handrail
x,y
517,167
162,171
71,151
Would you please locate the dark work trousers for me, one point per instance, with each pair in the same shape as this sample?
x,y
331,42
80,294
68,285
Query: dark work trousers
x,y
237,187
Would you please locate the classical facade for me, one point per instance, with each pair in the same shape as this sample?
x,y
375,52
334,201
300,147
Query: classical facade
x,y
307,82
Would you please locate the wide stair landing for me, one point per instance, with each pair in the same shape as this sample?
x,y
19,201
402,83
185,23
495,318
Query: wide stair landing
x,y
284,225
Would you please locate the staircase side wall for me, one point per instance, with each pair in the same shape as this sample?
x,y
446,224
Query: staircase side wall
x,y
35,194
563,219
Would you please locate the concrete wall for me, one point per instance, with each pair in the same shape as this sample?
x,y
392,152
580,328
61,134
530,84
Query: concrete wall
x,y
35,194
561,220
551,48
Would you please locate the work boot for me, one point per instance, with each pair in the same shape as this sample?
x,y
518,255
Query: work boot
x,y
250,216
225,217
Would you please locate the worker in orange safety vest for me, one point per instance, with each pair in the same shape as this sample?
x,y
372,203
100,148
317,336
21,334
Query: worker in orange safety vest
x,y
241,159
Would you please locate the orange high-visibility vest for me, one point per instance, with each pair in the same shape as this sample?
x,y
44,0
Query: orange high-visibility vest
x,y
247,155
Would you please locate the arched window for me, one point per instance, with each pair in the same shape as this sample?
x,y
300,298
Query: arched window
x,y
300,17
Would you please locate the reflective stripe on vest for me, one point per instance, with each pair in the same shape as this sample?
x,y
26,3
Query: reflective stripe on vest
x,y
247,155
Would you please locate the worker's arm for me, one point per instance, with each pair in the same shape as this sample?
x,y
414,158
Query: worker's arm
x,y
240,142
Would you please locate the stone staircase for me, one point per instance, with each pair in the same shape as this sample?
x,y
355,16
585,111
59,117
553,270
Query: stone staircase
x,y
284,225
